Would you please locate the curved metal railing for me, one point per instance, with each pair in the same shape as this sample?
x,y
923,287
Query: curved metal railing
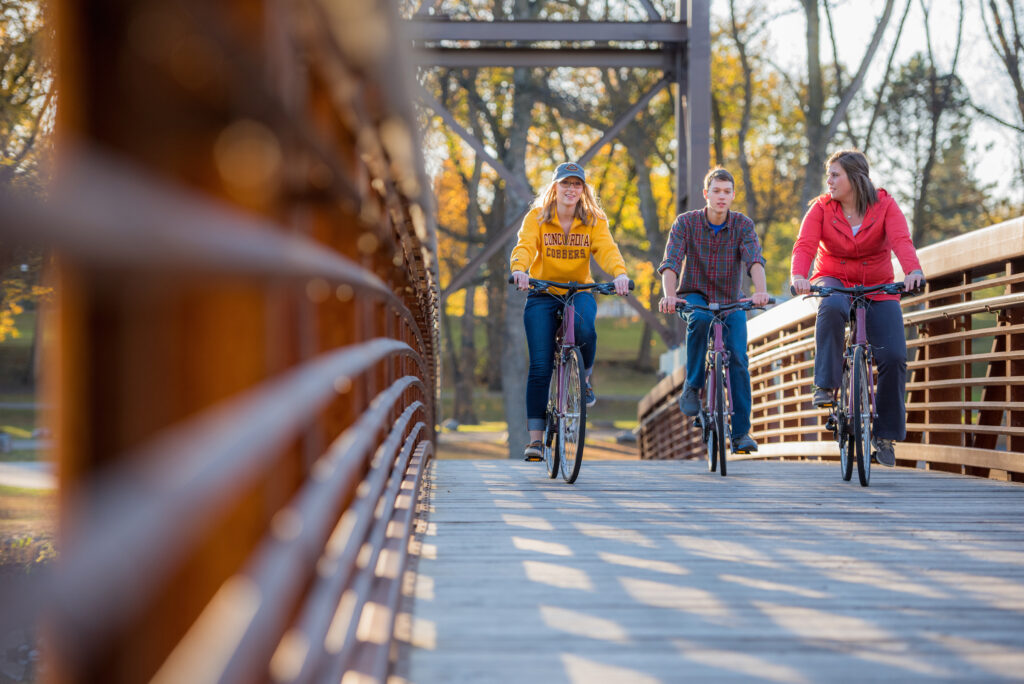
x,y
244,365
965,381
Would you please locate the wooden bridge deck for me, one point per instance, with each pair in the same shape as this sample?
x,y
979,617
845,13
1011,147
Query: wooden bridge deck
x,y
660,571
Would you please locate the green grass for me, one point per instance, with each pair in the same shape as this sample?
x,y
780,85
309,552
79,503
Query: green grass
x,y
490,412
22,456
7,490
614,375
619,339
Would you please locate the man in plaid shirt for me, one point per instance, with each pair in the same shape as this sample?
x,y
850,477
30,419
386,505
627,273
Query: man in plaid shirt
x,y
716,243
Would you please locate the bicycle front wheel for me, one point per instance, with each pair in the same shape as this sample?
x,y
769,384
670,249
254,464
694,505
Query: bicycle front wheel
x,y
846,448
552,445
861,415
721,411
573,425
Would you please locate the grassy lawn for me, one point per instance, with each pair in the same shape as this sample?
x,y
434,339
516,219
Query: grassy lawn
x,y
28,526
28,531
616,381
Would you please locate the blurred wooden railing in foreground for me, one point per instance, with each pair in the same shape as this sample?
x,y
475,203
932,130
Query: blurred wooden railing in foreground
x,y
965,369
245,356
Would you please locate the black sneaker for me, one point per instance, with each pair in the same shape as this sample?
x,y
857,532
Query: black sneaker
x,y
885,453
589,396
689,401
744,444
823,397
534,451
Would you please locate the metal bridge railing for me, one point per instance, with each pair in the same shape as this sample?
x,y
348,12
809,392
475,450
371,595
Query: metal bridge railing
x,y
965,406
244,357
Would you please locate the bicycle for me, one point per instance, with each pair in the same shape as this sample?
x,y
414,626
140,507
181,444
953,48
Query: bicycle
x,y
852,412
567,409
715,416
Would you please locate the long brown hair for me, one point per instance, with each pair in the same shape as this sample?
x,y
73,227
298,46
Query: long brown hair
x,y
855,164
588,209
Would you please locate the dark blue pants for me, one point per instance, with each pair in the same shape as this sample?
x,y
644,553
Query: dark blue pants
x,y
698,325
888,346
541,318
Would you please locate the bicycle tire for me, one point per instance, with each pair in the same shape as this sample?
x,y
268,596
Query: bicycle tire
x,y
719,420
861,417
551,442
573,424
846,456
710,443
707,421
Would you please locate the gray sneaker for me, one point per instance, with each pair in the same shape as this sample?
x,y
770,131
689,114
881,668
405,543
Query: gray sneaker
x,y
689,401
744,444
823,397
885,454
534,451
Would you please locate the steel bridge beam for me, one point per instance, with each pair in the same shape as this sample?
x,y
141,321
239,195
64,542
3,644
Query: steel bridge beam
x,y
607,58
433,31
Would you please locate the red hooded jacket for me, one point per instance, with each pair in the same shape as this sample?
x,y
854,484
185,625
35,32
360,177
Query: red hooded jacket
x,y
861,259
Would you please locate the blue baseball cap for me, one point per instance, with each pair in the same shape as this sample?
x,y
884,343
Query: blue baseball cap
x,y
570,169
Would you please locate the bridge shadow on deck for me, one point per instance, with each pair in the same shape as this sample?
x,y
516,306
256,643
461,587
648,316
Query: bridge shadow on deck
x,y
661,571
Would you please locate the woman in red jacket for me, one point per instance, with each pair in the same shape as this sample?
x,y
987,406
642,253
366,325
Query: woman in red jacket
x,y
852,230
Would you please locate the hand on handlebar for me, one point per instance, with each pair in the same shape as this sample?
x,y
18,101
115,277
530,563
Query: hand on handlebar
x,y
800,286
621,285
668,304
913,281
522,280
760,299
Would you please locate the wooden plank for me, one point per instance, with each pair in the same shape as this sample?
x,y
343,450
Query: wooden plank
x,y
662,572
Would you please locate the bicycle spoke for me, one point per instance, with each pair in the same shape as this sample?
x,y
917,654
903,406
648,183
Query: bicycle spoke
x,y
574,418
861,417
552,444
718,419
846,448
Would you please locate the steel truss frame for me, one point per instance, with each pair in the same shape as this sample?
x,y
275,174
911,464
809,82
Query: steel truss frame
x,y
680,47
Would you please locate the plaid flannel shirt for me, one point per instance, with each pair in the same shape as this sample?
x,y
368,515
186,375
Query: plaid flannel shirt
x,y
712,261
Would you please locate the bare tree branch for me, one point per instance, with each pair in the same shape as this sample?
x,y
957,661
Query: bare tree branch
x,y
885,78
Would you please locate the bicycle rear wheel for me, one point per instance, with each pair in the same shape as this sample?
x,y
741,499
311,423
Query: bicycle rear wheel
x,y
861,413
573,424
846,449
552,446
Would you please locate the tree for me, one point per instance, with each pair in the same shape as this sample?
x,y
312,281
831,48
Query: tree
x,y
820,125
26,93
27,103
757,108
1004,28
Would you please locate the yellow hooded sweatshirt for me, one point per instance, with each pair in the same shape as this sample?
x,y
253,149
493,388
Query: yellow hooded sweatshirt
x,y
546,253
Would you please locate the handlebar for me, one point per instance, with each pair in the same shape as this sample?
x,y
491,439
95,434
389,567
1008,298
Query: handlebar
x,y
715,307
600,288
859,290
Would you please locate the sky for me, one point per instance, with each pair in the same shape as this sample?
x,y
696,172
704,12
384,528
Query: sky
x,y
978,66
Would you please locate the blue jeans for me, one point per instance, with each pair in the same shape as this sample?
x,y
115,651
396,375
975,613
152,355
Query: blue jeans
x,y
698,326
541,318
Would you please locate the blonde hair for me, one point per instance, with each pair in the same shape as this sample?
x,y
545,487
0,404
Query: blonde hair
x,y
588,209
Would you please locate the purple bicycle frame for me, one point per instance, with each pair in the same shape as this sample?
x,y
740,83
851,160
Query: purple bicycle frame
x,y
719,346
861,338
568,340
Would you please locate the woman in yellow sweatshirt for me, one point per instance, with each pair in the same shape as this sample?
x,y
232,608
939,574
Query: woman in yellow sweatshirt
x,y
563,229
